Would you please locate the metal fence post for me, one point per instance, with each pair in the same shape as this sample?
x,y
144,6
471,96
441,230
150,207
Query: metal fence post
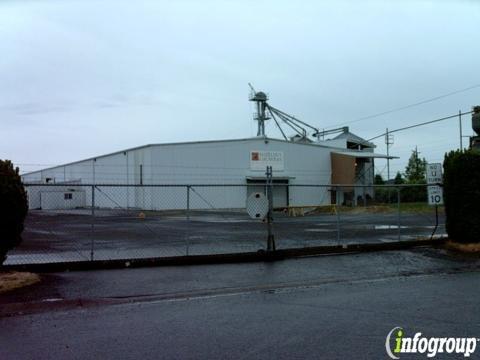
x,y
187,240
270,236
93,224
188,202
398,208
337,214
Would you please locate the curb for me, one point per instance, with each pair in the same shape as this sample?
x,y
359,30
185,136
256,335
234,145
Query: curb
x,y
228,258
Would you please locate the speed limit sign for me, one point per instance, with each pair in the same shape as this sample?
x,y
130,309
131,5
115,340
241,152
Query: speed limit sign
x,y
434,177
435,195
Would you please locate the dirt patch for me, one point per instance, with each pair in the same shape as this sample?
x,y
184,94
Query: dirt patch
x,y
471,248
15,280
332,209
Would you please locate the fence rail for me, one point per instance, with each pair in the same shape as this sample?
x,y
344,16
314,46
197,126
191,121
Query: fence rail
x,y
72,222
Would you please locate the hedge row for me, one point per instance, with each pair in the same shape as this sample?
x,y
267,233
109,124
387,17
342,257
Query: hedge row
x,y
13,208
462,195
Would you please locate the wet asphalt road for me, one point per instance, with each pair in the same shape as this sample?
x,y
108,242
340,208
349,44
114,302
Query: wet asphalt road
x,y
332,307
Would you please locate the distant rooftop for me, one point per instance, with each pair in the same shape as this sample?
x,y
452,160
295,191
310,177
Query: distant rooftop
x,y
354,139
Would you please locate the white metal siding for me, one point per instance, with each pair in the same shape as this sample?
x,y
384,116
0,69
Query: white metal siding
x,y
225,162
56,200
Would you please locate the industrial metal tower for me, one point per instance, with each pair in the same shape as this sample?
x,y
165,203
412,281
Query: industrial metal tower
x,y
261,115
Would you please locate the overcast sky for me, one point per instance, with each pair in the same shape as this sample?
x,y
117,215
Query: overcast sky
x,y
84,78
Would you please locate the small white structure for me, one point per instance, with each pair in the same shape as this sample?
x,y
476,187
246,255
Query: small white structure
x,y
62,200
235,162
58,197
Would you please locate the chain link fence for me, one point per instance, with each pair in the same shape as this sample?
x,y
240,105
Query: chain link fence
x,y
74,222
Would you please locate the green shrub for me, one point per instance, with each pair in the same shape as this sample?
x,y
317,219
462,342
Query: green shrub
x,y
462,195
13,208
415,193
386,195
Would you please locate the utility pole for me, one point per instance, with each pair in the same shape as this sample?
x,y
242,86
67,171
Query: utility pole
x,y
416,159
388,155
388,142
460,123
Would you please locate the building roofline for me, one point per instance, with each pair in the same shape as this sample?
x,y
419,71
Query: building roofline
x,y
351,137
263,138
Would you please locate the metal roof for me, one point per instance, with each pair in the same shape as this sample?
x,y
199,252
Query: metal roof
x,y
354,138
364,154
256,138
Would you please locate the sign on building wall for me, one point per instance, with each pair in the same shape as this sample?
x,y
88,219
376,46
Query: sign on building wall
x,y
259,160
434,176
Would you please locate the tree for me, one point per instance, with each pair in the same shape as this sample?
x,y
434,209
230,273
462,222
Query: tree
x,y
416,169
399,179
13,208
415,175
379,180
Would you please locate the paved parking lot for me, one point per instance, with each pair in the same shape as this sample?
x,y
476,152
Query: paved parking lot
x,y
112,234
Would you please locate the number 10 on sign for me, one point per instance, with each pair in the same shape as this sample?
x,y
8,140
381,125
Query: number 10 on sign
x,y
434,176
435,195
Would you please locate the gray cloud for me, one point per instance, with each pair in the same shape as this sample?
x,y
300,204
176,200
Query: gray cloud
x,y
174,71
32,108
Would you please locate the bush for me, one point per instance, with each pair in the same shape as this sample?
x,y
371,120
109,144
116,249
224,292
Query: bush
x,y
462,195
13,208
415,193
386,195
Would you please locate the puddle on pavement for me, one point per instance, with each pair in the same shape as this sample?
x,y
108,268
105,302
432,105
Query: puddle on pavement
x,y
220,220
388,227
207,219
368,227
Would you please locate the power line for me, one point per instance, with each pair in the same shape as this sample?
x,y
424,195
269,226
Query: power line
x,y
408,106
427,145
421,124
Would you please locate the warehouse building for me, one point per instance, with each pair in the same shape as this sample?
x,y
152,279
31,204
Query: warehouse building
x,y
240,161
299,160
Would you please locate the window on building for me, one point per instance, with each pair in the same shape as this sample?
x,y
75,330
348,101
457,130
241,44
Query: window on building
x,y
68,196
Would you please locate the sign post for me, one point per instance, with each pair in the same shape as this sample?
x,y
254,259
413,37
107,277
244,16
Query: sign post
x,y
270,237
435,190
260,206
434,180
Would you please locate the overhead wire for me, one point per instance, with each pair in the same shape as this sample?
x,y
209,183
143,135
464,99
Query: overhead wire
x,y
407,106
420,124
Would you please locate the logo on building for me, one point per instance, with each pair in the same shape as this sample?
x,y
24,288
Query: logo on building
x,y
259,160
397,344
